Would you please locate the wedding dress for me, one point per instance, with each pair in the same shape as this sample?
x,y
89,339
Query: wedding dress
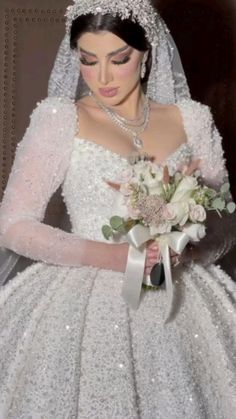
x,y
70,347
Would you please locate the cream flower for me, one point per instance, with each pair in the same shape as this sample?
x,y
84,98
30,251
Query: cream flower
x,y
185,189
196,232
197,213
176,213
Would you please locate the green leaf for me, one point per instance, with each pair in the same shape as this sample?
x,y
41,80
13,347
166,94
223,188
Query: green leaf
x,y
219,204
107,231
211,193
225,188
231,207
117,223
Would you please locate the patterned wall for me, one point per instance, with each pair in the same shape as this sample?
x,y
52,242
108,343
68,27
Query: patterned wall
x,y
29,37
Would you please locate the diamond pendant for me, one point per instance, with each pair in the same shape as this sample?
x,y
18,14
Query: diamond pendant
x,y
138,143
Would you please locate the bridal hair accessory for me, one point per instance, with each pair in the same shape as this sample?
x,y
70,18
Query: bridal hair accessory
x,y
138,10
125,124
166,82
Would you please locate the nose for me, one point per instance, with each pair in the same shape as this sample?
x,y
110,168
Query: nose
x,y
105,75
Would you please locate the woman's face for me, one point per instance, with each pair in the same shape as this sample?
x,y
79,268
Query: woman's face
x,y
109,66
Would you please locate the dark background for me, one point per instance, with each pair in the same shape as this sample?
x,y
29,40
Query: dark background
x,y
205,33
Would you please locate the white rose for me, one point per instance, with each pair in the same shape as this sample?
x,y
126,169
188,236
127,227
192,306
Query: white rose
x,y
177,213
197,213
185,189
196,232
157,171
154,186
141,168
156,189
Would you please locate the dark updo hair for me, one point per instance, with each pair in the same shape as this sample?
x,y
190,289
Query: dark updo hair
x,y
131,32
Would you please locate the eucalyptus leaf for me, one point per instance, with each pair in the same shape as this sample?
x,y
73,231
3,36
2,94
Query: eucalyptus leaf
x,y
116,222
107,231
219,204
225,188
231,207
211,193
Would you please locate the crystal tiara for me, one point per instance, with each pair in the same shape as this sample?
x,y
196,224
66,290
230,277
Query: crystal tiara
x,y
141,11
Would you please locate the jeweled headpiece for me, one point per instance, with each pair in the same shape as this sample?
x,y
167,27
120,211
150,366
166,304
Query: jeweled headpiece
x,y
166,83
140,11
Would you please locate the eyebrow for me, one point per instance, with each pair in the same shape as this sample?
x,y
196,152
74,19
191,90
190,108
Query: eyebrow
x,y
108,55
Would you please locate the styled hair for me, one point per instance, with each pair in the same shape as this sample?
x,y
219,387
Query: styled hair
x,y
126,29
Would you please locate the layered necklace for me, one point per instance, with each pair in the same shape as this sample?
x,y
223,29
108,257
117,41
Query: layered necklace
x,y
135,127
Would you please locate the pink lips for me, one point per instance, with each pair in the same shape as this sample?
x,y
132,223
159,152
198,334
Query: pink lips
x,y
108,92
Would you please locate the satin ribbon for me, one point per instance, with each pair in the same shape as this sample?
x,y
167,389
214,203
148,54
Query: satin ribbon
x,y
137,237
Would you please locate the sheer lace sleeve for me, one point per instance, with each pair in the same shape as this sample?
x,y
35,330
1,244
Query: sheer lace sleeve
x,y
206,143
39,167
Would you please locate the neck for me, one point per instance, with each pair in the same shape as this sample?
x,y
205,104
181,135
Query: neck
x,y
131,107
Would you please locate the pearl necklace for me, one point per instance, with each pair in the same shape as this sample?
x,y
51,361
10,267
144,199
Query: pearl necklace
x,y
124,123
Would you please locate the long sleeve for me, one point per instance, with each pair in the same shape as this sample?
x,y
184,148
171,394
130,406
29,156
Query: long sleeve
x,y
39,168
206,143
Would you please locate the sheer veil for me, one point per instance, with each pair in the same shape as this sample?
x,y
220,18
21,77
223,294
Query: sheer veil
x,y
167,82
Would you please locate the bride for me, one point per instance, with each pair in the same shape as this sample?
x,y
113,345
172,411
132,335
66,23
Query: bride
x,y
70,346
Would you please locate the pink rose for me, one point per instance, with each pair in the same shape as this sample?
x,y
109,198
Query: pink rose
x,y
168,213
197,213
176,213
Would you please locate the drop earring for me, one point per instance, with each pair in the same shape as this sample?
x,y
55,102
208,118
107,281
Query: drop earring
x,y
143,66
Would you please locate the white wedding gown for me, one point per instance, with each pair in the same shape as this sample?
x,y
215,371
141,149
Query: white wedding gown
x,y
71,348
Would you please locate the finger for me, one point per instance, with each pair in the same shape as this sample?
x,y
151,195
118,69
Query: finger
x,y
153,245
153,257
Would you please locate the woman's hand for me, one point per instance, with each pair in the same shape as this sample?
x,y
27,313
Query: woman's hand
x,y
153,256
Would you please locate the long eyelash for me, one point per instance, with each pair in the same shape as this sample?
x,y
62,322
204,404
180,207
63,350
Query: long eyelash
x,y
84,62
124,61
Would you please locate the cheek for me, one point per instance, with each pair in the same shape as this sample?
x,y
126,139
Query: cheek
x,y
88,73
131,69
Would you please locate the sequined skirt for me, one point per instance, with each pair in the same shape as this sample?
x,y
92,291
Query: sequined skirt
x,y
70,347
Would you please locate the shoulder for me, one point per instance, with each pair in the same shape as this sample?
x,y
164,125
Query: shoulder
x,y
196,113
171,117
54,116
168,111
54,105
52,125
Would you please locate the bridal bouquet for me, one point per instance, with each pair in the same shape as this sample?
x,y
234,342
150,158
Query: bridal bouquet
x,y
172,210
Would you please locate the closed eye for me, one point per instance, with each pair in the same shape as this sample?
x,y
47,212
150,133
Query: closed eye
x,y
116,62
120,62
85,62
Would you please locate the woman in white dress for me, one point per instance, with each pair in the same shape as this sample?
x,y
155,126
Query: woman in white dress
x,y
70,346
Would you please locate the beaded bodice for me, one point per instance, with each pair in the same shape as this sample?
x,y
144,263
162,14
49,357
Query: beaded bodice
x,y
50,155
89,199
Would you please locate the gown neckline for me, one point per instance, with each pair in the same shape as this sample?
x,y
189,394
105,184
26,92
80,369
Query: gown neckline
x,y
175,152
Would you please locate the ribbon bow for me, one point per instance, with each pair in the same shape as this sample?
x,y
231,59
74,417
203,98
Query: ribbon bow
x,y
137,237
